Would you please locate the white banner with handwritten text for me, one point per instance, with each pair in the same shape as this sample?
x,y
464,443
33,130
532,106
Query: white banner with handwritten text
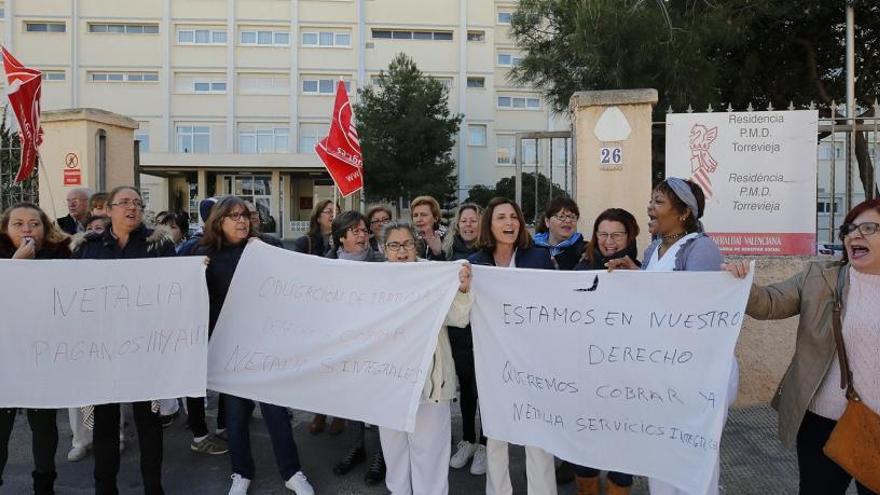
x,y
624,371
80,332
345,338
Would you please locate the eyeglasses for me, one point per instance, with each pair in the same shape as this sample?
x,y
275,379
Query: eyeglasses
x,y
866,228
397,246
239,216
129,203
566,218
357,231
614,236
379,221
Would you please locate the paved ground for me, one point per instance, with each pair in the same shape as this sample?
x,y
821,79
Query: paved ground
x,y
753,462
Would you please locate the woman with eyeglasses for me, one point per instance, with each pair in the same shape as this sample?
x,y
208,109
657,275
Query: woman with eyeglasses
x,y
418,462
226,234
505,242
351,242
810,399
614,236
558,233
126,238
26,233
377,217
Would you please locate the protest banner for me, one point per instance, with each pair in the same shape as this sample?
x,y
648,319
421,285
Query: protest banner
x,y
81,332
758,172
345,338
622,371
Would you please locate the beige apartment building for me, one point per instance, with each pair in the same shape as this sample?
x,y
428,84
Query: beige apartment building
x,y
232,95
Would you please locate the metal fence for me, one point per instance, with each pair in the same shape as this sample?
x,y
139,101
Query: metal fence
x,y
11,192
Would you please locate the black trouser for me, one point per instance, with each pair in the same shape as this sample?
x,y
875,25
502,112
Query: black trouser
x,y
619,479
106,446
195,415
462,345
819,475
44,432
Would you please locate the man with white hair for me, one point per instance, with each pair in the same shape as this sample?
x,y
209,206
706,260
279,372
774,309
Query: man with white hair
x,y
78,211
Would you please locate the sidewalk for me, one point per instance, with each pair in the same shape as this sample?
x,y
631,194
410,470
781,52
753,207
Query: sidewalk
x,y
752,459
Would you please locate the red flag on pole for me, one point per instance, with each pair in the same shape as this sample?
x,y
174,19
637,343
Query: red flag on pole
x,y
340,150
24,96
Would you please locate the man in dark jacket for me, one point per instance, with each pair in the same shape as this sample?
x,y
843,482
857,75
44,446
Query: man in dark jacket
x,y
78,211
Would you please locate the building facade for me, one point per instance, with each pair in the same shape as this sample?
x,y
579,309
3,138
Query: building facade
x,y
232,95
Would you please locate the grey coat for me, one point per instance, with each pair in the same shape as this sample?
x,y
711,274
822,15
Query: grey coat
x,y
699,254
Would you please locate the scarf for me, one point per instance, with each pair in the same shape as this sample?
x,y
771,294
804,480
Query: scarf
x,y
543,240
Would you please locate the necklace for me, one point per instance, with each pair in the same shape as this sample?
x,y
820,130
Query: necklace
x,y
671,238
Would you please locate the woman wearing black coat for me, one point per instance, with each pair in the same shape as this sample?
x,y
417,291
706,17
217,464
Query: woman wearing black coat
x,y
317,240
26,233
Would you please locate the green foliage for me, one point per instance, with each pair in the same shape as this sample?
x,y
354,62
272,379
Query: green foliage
x,y
506,187
699,53
10,155
407,133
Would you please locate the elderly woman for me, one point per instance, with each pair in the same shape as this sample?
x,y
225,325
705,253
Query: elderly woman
x,y
377,217
680,244
418,461
504,242
351,242
227,232
26,233
810,399
425,213
127,237
560,234
459,244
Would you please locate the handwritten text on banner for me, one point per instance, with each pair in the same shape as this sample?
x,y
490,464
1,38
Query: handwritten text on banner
x,y
350,339
624,371
80,332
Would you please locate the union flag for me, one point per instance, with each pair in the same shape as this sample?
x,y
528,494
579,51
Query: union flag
x,y
341,150
24,89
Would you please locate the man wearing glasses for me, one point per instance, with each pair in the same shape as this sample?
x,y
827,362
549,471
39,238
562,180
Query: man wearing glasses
x,y
78,211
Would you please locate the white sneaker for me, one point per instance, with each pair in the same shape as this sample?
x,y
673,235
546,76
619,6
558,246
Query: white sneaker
x,y
77,454
299,484
239,485
478,467
462,455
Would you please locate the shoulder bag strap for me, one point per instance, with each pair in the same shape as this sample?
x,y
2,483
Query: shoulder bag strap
x,y
846,378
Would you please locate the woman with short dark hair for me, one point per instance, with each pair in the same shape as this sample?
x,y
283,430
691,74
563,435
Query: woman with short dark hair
x,y
378,216
560,237
227,232
26,233
505,242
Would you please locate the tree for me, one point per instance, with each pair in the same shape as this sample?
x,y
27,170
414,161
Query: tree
x,y
700,53
506,187
406,132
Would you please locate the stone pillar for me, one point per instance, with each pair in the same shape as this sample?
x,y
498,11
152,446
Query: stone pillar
x,y
77,143
612,136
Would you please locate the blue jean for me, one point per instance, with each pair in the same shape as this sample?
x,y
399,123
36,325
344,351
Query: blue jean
x,y
619,479
277,419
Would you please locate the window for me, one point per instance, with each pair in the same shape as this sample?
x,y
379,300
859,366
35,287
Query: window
x,y
214,87
314,86
265,38
310,134
476,82
477,135
504,17
389,34
519,103
124,76
505,153
326,39
509,59
95,27
264,140
201,36
193,139
45,27
445,81
53,75
476,36
2,13
143,139
264,84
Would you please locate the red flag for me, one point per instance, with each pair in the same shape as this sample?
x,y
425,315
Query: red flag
x,y
340,150
24,96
